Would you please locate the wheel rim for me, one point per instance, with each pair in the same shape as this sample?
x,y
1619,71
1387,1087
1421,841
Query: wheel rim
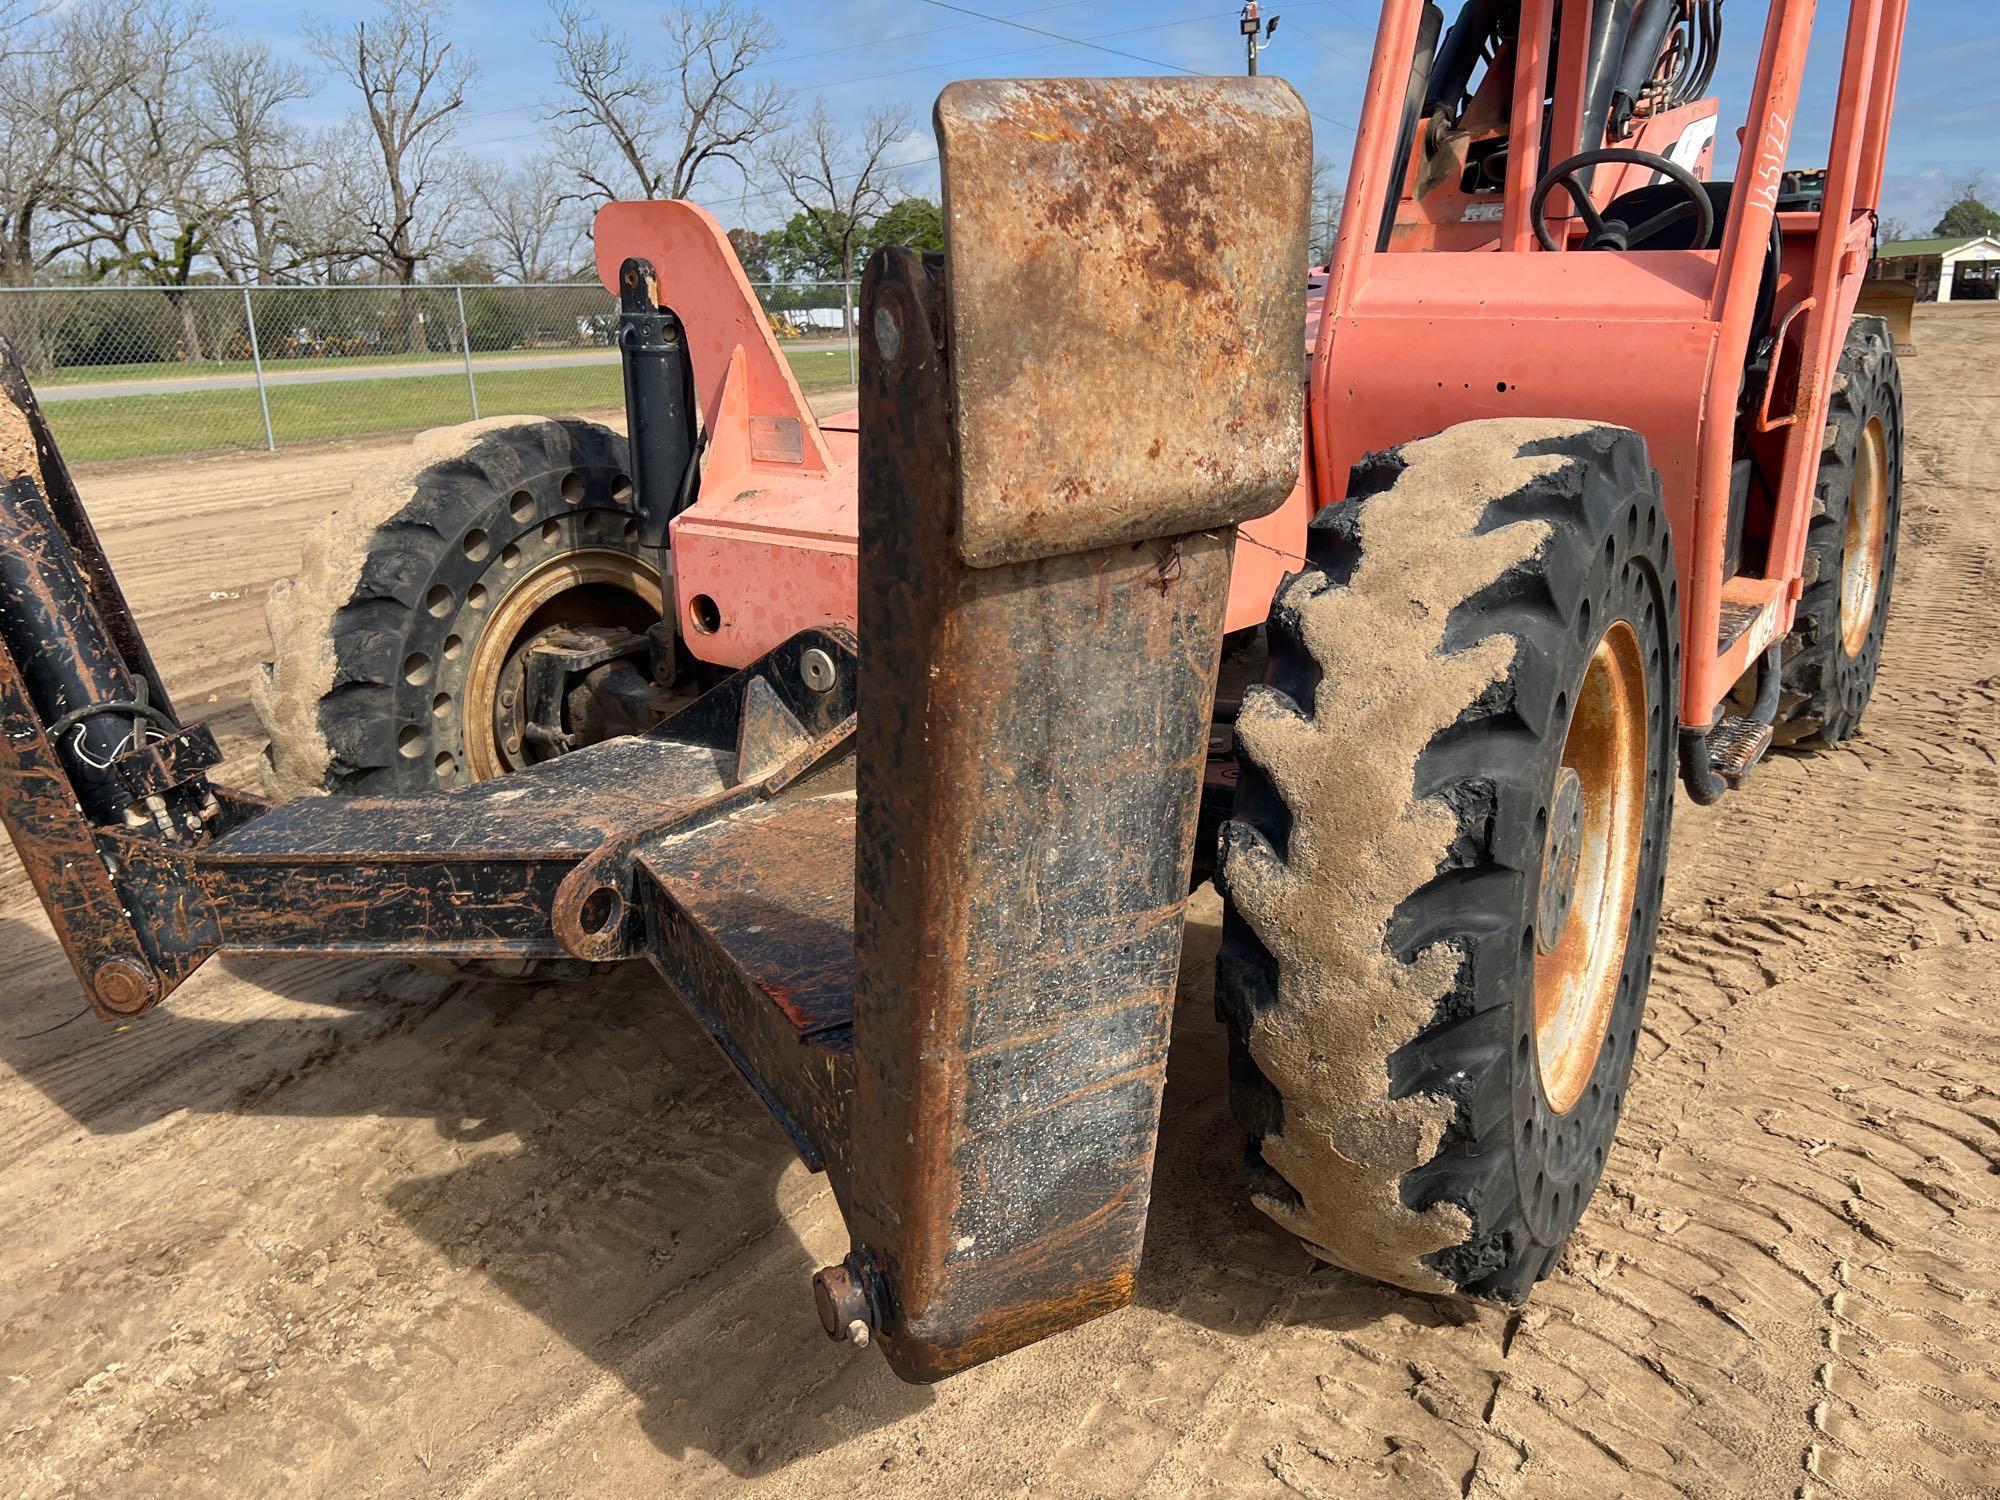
x,y
1866,538
1590,866
589,587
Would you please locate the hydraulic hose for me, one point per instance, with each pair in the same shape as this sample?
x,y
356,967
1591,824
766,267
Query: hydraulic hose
x,y
90,704
1646,34
1698,773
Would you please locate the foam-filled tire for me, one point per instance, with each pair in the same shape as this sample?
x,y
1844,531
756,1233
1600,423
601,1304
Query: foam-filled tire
x,y
1383,871
1834,648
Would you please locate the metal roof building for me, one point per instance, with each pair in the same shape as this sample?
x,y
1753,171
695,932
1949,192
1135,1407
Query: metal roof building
x,y
1944,270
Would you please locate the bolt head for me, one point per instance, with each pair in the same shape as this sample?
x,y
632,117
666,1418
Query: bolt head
x,y
122,985
816,669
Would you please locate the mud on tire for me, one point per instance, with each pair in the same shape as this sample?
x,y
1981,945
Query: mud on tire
x,y
371,643
1383,872
1832,652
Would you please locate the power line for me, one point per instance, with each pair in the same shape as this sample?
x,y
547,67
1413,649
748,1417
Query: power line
x,y
1151,62
1055,38
817,52
950,62
959,62
898,36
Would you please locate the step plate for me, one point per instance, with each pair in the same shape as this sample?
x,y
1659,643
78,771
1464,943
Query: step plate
x,y
1736,745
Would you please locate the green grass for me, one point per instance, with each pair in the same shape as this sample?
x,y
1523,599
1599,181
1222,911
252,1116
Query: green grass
x,y
819,369
201,369
118,427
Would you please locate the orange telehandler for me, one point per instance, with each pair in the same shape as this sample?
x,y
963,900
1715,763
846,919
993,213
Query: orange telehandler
x,y
1582,480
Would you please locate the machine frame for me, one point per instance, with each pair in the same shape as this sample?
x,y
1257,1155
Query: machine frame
x,y
933,911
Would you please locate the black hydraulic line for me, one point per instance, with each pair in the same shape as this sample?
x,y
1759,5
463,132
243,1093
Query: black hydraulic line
x,y
1708,23
1428,30
89,704
1646,34
1610,21
1704,787
1458,54
1770,677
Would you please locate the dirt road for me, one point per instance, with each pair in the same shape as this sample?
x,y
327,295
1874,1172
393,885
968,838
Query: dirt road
x,y
338,1228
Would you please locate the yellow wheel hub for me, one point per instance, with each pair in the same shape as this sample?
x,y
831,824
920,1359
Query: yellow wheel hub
x,y
1590,866
1866,540
589,587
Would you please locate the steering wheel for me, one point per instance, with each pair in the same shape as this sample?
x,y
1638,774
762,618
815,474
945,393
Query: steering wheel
x,y
1616,234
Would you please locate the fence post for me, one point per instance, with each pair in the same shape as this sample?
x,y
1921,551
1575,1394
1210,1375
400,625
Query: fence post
x,y
847,329
465,343
257,362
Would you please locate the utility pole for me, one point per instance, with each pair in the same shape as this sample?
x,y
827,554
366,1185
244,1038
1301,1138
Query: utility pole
x,y
1252,26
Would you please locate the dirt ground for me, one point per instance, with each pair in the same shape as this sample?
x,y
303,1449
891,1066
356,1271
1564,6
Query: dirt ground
x,y
346,1228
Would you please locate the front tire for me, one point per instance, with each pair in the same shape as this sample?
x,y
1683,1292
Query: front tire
x,y
1443,876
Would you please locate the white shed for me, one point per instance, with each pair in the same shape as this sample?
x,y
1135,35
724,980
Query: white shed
x,y
1946,270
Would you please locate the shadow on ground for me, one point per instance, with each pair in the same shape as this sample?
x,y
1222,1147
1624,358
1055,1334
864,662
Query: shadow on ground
x,y
1210,1256
640,1208
642,1216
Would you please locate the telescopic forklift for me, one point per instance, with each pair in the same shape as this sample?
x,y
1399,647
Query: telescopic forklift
x,y
894,742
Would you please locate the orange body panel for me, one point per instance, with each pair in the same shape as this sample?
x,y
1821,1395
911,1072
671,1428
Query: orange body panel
x,y
770,544
1653,340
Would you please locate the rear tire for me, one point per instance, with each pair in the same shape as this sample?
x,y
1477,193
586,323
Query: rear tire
x,y
1835,645
1429,1094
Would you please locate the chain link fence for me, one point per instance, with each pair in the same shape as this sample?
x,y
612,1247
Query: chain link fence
x,y
136,372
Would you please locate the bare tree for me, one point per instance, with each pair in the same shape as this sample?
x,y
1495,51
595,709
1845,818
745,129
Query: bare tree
x,y
839,182
529,223
17,25
411,79
322,207
149,181
244,93
1326,204
639,121
60,72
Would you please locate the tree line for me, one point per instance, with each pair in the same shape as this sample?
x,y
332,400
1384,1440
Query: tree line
x,y
1966,214
140,143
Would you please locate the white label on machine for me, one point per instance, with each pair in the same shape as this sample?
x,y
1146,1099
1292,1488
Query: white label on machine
x,y
1695,139
1482,213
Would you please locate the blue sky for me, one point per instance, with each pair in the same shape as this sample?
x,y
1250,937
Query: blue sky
x,y
861,53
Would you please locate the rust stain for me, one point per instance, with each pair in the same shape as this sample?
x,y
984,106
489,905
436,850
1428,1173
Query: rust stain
x,y
1116,245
